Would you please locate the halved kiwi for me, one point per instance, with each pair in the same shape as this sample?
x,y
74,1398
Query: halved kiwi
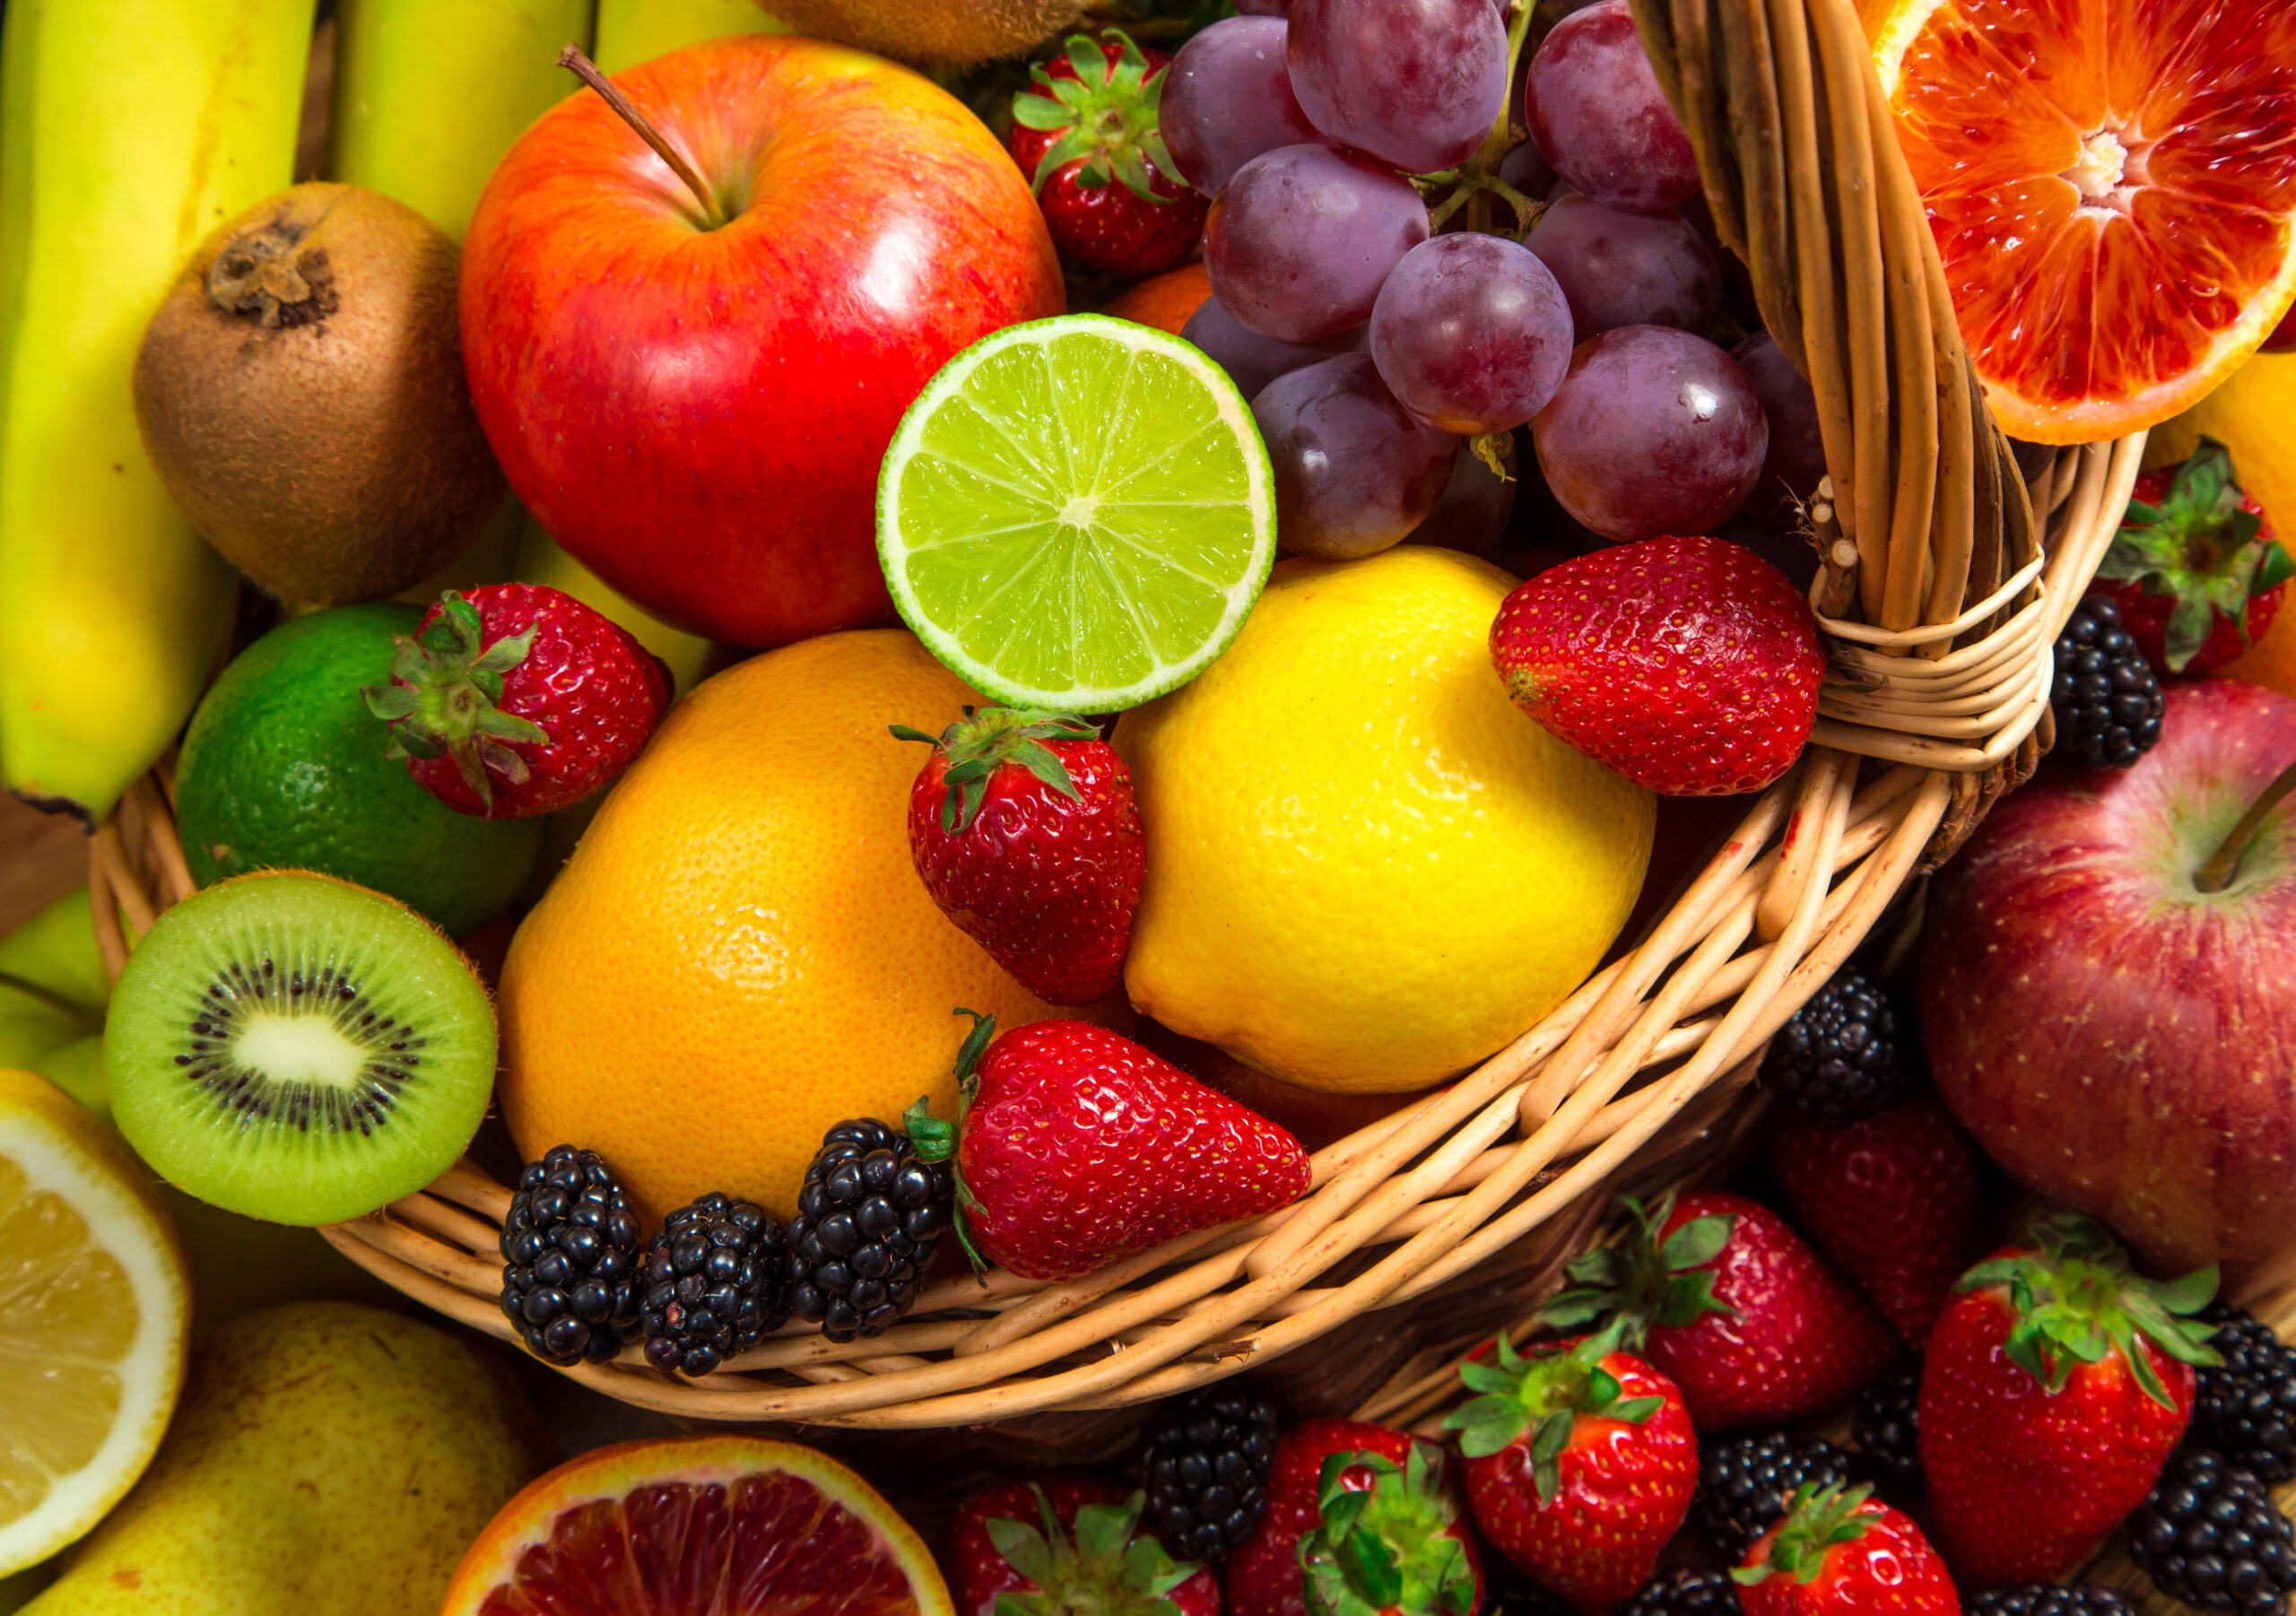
x,y
290,1046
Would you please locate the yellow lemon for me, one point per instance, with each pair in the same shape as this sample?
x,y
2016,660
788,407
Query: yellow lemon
x,y
1367,870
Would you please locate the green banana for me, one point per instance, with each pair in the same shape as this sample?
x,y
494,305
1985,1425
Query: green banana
x,y
631,31
130,128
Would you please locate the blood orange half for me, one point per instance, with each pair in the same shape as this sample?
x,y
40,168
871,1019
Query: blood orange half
x,y
700,1526
2112,185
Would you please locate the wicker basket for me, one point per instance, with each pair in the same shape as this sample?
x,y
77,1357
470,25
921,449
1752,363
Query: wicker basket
x,y
1940,597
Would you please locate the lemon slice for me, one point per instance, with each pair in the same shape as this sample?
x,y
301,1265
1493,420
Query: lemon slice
x,y
93,1309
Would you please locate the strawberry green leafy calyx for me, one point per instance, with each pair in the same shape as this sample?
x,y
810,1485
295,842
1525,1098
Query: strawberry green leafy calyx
x,y
444,701
1645,1281
2075,1300
2202,544
1388,1547
1817,1522
1107,1568
1548,1395
984,740
1106,116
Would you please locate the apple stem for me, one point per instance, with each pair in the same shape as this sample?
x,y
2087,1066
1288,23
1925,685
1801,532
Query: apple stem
x,y
572,59
2224,864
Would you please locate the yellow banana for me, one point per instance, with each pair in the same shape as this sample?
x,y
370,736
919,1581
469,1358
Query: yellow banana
x,y
631,31
130,129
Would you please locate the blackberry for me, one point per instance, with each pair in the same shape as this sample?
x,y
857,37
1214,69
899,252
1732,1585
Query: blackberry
x,y
2246,1409
1513,1595
2107,700
1686,1593
2210,1535
1206,1470
1887,1429
717,1278
1744,1484
1838,1058
2050,1598
869,1219
570,1258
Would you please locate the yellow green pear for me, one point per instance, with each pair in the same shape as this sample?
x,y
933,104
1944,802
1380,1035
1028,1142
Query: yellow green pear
x,y
328,1460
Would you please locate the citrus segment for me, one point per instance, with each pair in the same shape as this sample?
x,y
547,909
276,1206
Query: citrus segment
x,y
725,1525
2111,185
1078,513
93,1318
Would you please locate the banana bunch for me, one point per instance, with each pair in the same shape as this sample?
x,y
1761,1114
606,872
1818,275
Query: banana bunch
x,y
128,129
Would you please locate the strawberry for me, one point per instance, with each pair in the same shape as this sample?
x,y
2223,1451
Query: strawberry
x,y
2055,1383
1581,1463
1358,1522
1689,665
2195,568
1843,1553
1076,1147
1024,829
1085,132
518,700
1014,1543
1890,1200
1728,1303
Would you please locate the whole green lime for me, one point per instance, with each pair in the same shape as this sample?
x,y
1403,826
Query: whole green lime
x,y
284,768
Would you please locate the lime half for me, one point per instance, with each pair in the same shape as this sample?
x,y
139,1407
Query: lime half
x,y
1078,513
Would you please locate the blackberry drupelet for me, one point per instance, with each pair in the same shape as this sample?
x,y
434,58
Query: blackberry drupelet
x,y
717,1278
2050,1598
570,1249
1744,1484
2211,1537
2107,701
1839,1058
1205,1470
2246,1409
869,1220
1887,1429
1686,1593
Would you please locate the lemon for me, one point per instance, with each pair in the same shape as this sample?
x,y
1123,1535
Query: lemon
x,y
93,1310
2250,415
1367,870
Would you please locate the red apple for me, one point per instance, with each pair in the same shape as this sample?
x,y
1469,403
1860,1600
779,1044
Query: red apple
x,y
696,407
2115,1037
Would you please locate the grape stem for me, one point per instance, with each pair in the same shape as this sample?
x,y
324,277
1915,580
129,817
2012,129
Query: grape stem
x,y
1478,177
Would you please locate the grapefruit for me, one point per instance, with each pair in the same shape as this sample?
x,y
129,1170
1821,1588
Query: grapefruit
x,y
700,1526
740,955
2111,184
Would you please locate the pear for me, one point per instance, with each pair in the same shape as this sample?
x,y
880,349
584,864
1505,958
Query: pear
x,y
328,1460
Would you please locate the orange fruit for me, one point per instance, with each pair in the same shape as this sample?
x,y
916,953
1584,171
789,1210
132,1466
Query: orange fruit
x,y
1166,300
2111,184
697,1526
2271,662
739,955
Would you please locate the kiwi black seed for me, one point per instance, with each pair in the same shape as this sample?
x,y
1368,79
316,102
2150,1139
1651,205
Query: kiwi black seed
x,y
289,1046
301,393
954,33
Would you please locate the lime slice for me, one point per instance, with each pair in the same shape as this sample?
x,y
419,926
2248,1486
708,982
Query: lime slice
x,y
1078,513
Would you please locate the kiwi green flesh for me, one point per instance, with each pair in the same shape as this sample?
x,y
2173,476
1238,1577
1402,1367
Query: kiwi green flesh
x,y
295,1048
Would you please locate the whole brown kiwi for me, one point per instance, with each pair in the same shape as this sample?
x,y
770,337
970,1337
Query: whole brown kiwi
x,y
940,33
301,393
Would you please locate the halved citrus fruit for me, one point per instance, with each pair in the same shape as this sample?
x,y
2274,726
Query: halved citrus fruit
x,y
699,1526
2112,185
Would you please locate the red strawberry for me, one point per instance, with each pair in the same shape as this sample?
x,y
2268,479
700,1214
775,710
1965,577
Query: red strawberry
x,y
2055,1386
1689,665
1844,1553
1068,1543
1892,1201
1086,135
1728,1302
1022,826
2195,568
1581,1463
1078,1147
1406,1548
518,700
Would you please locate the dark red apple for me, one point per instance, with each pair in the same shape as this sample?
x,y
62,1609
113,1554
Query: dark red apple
x,y
2114,1036
695,404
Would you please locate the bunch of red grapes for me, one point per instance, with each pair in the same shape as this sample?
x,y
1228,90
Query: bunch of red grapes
x,y
1372,349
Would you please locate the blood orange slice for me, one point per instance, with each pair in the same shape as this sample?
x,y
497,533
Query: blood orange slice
x,y
700,1526
2112,185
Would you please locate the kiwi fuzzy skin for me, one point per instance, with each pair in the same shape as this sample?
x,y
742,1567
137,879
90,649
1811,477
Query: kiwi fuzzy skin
x,y
948,34
301,393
